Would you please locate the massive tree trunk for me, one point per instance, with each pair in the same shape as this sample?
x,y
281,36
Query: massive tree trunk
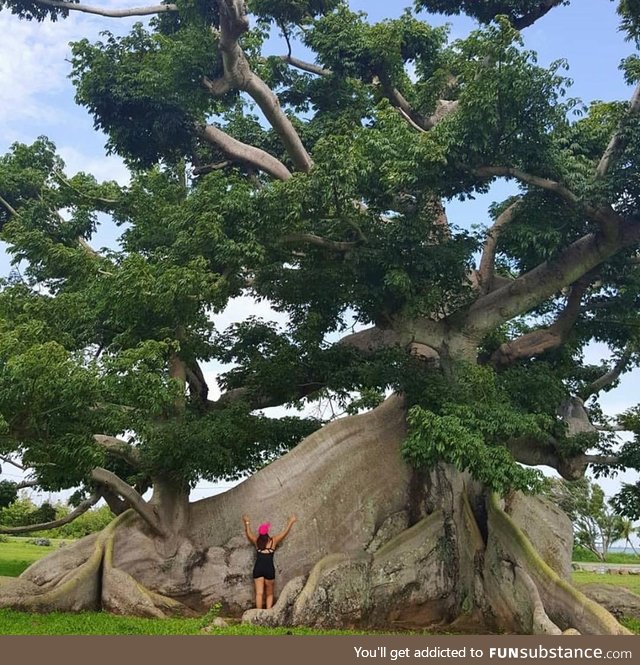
x,y
375,545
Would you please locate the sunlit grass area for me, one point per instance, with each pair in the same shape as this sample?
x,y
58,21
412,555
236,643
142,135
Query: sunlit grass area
x,y
17,554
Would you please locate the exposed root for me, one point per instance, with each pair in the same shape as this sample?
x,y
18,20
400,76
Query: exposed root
x,y
565,605
94,584
122,594
541,623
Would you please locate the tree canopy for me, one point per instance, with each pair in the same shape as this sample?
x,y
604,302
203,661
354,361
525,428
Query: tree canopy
x,y
320,185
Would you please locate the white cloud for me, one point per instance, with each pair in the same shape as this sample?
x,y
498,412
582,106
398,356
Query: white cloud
x,y
36,91
110,167
32,67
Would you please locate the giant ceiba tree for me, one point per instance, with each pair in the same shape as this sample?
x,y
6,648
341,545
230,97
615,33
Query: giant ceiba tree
x,y
320,185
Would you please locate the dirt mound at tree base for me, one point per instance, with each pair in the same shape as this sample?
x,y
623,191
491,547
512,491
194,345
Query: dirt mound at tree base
x,y
619,601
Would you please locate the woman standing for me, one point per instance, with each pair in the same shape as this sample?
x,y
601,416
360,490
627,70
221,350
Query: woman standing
x,y
264,572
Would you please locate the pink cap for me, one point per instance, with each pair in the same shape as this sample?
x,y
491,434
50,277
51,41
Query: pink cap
x,y
263,529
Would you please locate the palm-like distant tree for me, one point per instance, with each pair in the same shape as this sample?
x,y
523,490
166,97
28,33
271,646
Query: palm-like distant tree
x,y
627,530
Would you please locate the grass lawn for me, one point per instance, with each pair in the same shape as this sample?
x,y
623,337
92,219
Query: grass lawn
x,y
101,623
17,555
631,582
92,623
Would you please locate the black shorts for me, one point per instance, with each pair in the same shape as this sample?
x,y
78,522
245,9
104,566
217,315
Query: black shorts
x,y
264,568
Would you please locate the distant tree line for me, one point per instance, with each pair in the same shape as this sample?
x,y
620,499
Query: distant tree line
x,y
24,512
597,524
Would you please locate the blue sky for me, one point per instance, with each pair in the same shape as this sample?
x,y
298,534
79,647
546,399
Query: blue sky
x,y
38,99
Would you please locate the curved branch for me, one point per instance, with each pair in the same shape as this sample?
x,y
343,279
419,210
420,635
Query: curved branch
x,y
270,106
548,278
8,460
375,339
263,401
26,483
533,452
82,508
617,142
487,267
127,492
217,87
109,13
116,505
397,99
529,179
306,66
243,152
606,217
422,337
612,375
367,341
239,75
197,383
118,448
545,339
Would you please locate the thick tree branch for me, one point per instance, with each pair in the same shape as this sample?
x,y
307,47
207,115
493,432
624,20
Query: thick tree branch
x,y
397,99
8,207
533,452
544,339
109,13
45,526
270,106
486,271
208,168
127,492
616,144
26,483
422,339
239,75
612,375
8,460
242,152
549,278
309,67
217,87
116,505
264,401
375,339
198,387
119,448
366,341
605,216
529,179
